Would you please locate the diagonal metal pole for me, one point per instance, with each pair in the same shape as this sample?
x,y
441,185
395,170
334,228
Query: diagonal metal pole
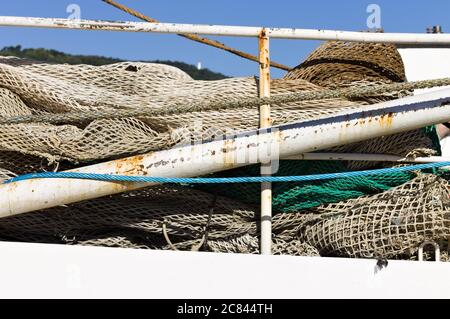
x,y
351,126
196,38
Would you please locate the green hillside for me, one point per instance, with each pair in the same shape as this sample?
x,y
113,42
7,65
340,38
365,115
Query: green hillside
x,y
54,56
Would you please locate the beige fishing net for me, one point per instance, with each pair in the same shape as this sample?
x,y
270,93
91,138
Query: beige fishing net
x,y
388,223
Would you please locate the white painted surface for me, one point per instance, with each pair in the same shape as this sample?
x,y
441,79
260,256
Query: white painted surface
x,y
49,271
417,39
367,157
445,146
426,64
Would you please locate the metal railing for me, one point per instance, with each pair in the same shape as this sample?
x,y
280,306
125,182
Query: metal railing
x,y
417,39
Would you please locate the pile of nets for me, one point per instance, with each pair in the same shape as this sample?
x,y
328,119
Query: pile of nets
x,y
378,216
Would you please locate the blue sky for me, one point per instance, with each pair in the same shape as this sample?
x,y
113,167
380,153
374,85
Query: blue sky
x,y
396,16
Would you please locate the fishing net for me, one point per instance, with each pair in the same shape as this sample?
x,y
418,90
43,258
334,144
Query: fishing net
x,y
295,196
391,224
343,64
37,88
162,217
215,217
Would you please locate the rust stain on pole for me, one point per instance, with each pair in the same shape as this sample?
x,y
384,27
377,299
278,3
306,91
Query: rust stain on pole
x,y
264,78
130,166
386,120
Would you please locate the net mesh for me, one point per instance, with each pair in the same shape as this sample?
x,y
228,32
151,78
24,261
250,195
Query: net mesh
x,y
351,217
391,224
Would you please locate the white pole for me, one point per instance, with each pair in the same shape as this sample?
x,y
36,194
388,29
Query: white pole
x,y
195,160
437,250
366,157
264,122
280,33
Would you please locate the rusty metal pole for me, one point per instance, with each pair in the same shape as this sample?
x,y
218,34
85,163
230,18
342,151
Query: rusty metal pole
x,y
196,38
355,125
412,39
265,121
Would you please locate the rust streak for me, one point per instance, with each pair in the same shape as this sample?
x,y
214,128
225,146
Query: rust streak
x,y
130,166
229,153
386,120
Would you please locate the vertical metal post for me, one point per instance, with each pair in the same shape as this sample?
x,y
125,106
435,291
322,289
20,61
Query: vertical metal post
x,y
265,121
437,250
